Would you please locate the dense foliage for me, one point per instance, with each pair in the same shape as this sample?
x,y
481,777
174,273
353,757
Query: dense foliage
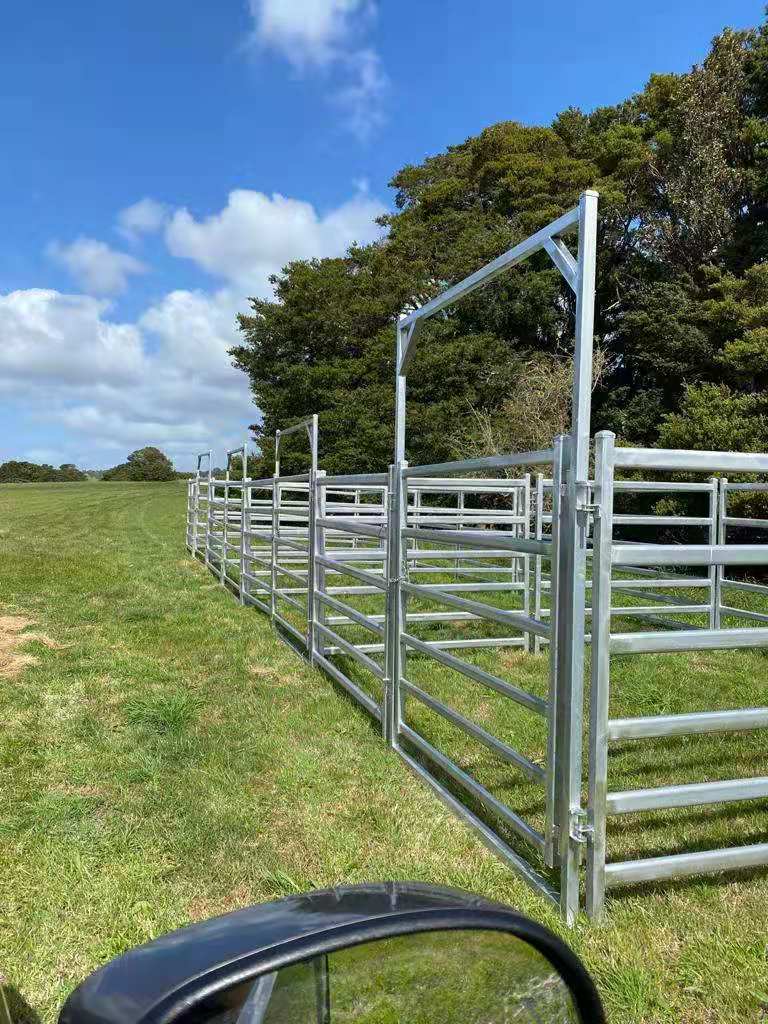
x,y
16,472
143,464
682,304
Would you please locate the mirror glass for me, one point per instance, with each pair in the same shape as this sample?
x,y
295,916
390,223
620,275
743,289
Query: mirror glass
x,y
452,977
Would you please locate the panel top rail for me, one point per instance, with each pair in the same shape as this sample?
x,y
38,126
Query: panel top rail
x,y
658,486
270,481
301,425
353,480
470,484
684,459
478,465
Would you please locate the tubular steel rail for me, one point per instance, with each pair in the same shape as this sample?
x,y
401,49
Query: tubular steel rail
x,y
404,585
608,556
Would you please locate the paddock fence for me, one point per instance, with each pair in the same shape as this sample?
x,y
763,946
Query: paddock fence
x,y
459,603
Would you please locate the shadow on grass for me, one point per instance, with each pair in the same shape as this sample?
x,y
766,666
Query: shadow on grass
x,y
14,1009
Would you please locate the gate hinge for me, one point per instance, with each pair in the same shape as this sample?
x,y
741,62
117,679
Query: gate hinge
x,y
578,829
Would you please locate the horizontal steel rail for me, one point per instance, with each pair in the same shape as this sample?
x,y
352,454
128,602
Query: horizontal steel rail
x,y
482,539
353,650
349,614
689,724
485,611
690,554
688,640
532,878
690,461
466,668
352,688
489,462
693,795
344,569
533,771
352,526
478,791
683,865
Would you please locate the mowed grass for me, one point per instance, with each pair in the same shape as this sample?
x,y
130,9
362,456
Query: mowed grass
x,y
166,758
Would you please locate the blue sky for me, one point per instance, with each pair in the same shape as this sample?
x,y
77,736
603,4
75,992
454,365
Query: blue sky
x,y
159,160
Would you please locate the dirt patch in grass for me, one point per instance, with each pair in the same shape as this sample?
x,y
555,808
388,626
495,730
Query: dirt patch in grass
x,y
13,637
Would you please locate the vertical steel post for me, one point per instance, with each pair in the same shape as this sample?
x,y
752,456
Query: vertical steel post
x,y
318,576
553,774
395,650
312,531
275,545
538,532
399,401
714,527
572,589
525,530
245,527
209,517
601,672
722,512
461,505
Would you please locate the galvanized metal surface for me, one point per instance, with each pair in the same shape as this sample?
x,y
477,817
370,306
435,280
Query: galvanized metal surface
x,y
456,536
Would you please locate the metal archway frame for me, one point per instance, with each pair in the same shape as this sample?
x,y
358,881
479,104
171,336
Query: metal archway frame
x,y
568,823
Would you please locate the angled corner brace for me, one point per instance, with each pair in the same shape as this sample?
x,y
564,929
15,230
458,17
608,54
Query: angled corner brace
x,y
563,259
408,347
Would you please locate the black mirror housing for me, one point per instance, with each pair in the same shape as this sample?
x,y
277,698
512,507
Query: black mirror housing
x,y
189,975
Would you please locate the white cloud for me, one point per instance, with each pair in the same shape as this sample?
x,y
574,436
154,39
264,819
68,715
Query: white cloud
x,y
142,218
311,32
95,266
86,382
166,380
326,35
63,339
255,235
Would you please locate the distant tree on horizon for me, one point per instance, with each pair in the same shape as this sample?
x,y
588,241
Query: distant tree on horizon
x,y
144,464
17,471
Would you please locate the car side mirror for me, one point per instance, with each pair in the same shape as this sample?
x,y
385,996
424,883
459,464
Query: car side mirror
x,y
388,953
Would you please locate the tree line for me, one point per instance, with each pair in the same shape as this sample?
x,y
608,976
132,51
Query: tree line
x,y
147,463
682,285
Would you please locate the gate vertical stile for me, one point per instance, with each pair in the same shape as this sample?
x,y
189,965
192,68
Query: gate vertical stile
x,y
245,528
209,515
714,527
722,511
600,672
317,645
525,531
553,782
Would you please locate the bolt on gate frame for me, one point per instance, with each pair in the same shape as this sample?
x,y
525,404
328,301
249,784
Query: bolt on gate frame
x,y
370,537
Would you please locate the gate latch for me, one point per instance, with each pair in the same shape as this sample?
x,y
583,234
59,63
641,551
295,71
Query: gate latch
x,y
578,829
585,511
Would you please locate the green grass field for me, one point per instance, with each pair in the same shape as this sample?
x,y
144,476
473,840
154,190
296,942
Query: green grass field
x,y
165,758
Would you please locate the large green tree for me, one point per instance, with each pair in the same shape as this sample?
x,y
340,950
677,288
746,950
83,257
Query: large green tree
x,y
680,320
144,464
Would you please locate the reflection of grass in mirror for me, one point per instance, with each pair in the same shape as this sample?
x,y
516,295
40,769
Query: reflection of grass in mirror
x,y
170,765
453,977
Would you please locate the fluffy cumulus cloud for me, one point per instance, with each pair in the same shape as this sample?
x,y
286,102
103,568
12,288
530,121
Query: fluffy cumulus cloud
x,y
255,235
56,339
95,266
165,380
329,36
144,217
92,388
